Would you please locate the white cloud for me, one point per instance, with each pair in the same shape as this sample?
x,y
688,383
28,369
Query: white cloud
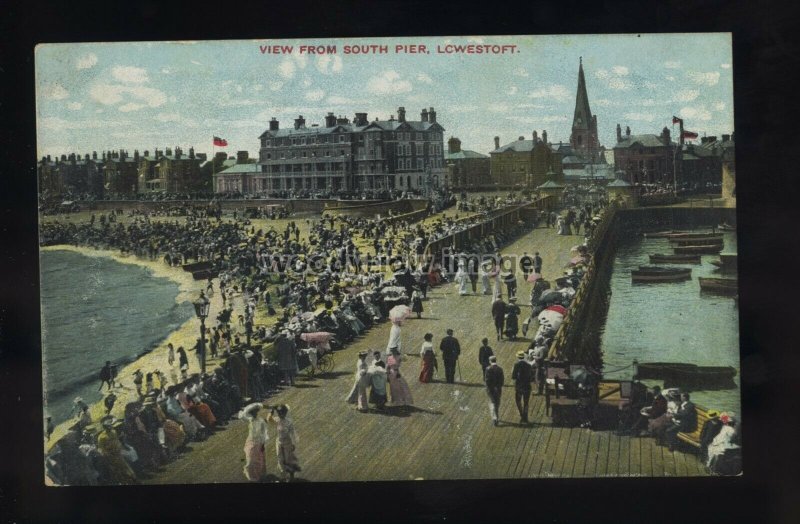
x,y
86,62
620,70
306,82
74,106
168,117
239,89
650,85
602,74
129,74
647,117
619,84
275,85
195,62
458,108
165,70
719,106
520,71
388,83
130,106
286,68
475,39
707,79
55,92
257,87
672,64
111,94
327,64
604,102
54,123
315,96
725,66
424,78
695,113
554,91
512,90
536,120
670,78
498,107
340,100
99,110
686,95
530,106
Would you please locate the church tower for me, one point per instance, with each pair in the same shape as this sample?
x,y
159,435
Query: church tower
x,y
584,125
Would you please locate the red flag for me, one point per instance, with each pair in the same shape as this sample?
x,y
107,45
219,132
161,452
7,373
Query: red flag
x,y
689,135
676,120
220,141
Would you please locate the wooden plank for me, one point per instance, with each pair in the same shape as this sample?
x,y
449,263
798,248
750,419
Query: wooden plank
x,y
624,457
636,457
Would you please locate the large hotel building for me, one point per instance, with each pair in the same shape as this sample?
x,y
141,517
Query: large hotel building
x,y
350,156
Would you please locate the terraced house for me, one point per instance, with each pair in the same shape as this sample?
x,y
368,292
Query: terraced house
x,y
341,155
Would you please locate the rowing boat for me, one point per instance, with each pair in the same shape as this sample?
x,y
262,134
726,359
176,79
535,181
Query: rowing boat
x,y
662,234
695,235
695,241
719,285
675,259
699,249
677,373
660,274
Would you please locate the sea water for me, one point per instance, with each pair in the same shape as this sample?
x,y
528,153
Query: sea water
x,y
672,321
96,309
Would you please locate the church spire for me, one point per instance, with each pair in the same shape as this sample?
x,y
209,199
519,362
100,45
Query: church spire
x,y
583,114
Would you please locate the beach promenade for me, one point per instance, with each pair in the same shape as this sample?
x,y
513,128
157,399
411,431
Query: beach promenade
x,y
448,433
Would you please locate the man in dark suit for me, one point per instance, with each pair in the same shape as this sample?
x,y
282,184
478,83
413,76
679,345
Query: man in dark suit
x,y
450,349
537,263
499,315
522,374
483,356
494,388
684,421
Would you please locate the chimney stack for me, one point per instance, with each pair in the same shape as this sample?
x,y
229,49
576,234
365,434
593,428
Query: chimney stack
x,y
94,155
726,138
191,152
627,131
535,137
360,119
665,136
497,142
299,122
330,120
544,136
619,133
136,156
431,116
424,115
48,158
241,157
401,114
168,151
273,124
453,145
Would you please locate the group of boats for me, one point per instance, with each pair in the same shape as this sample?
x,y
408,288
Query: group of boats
x,y
688,246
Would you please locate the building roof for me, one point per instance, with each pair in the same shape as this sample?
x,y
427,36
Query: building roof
x,y
464,154
618,183
550,184
241,168
642,140
572,159
377,125
583,114
520,146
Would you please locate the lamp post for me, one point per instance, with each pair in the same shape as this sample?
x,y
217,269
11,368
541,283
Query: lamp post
x,y
201,308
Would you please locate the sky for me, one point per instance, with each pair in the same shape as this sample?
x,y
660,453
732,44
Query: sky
x,y
143,95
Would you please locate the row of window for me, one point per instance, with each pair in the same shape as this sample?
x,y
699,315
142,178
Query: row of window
x,y
341,138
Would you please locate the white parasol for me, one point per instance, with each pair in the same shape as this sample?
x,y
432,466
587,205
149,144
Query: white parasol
x,y
399,313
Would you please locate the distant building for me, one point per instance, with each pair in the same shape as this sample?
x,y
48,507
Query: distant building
x,y
701,164
466,169
527,162
340,155
645,159
172,173
120,172
70,175
240,175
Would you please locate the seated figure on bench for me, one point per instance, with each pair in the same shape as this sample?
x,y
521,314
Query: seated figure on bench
x,y
656,409
684,421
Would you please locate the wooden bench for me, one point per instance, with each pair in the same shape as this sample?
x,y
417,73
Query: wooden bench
x,y
693,438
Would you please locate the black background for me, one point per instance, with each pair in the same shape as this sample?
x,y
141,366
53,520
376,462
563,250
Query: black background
x,y
766,124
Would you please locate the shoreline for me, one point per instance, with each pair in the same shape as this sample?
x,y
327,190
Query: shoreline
x,y
150,360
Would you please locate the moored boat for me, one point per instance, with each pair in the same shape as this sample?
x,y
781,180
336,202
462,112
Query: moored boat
x,y
694,241
660,274
726,227
662,234
719,285
677,373
197,266
675,259
699,249
695,235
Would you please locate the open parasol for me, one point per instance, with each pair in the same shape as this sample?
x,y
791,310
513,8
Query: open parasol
x,y
399,313
533,277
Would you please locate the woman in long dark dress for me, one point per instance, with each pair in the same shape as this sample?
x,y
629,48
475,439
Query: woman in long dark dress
x,y
512,318
416,304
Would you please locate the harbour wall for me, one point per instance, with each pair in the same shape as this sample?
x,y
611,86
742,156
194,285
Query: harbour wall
x,y
578,340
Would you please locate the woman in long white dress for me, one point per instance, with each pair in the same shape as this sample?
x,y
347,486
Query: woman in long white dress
x,y
285,441
724,439
394,338
462,279
255,461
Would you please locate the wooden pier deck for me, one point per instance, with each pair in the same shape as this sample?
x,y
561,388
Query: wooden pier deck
x,y
448,434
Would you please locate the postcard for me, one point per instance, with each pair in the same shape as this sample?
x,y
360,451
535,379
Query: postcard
x,y
366,259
